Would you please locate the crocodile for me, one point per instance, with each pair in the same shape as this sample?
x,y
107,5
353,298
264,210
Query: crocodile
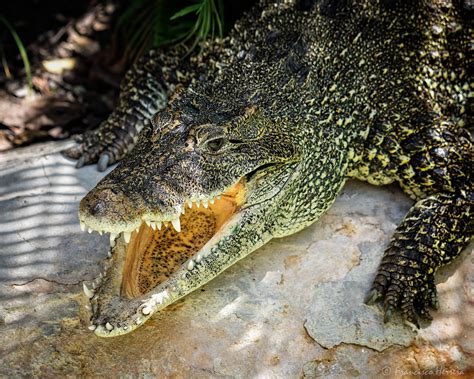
x,y
252,136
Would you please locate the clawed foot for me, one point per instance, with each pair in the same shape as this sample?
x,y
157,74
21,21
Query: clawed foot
x,y
405,289
105,146
87,153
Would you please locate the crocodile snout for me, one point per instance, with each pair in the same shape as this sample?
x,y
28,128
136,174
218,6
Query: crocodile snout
x,y
105,207
102,201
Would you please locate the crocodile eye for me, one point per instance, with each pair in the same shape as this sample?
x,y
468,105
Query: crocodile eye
x,y
216,144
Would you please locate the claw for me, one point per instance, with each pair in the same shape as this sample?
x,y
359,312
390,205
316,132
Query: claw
x,y
388,314
414,326
78,138
81,161
103,162
372,297
410,319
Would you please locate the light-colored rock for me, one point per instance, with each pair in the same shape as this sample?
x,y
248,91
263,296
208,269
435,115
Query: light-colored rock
x,y
338,315
291,308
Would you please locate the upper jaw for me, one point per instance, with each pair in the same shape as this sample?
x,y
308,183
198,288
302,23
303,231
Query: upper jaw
x,y
155,220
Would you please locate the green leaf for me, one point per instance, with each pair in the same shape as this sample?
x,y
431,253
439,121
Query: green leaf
x,y
189,9
22,49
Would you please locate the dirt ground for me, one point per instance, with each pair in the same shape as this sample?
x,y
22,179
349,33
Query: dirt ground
x,y
76,67
78,52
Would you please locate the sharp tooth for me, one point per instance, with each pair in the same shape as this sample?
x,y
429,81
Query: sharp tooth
x,y
190,204
109,326
148,223
205,204
198,258
190,265
89,230
88,292
159,225
176,224
183,210
127,236
101,232
211,201
92,327
83,226
112,237
109,254
166,224
197,203
153,225
88,307
136,230
146,310
219,197
125,327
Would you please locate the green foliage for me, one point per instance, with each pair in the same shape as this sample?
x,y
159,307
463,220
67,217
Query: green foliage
x,y
145,24
21,49
209,20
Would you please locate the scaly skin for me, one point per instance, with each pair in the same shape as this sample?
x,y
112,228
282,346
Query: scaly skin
x,y
145,90
299,97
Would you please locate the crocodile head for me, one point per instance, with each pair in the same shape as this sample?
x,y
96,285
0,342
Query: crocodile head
x,y
197,193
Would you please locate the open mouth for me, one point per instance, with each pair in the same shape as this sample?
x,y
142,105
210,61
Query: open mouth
x,y
159,249
148,263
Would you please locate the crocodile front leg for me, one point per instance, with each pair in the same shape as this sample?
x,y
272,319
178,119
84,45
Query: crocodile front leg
x,y
433,164
432,234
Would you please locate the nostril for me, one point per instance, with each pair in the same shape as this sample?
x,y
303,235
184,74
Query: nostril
x,y
97,208
106,206
114,191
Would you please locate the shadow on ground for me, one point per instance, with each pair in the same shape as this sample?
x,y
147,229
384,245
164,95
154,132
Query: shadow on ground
x,y
292,308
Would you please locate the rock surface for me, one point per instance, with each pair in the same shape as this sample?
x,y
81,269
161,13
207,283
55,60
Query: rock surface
x,y
293,308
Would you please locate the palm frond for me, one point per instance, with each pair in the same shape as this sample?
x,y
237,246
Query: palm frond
x,y
209,20
147,24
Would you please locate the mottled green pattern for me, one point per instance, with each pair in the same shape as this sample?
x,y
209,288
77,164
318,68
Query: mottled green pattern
x,y
306,94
